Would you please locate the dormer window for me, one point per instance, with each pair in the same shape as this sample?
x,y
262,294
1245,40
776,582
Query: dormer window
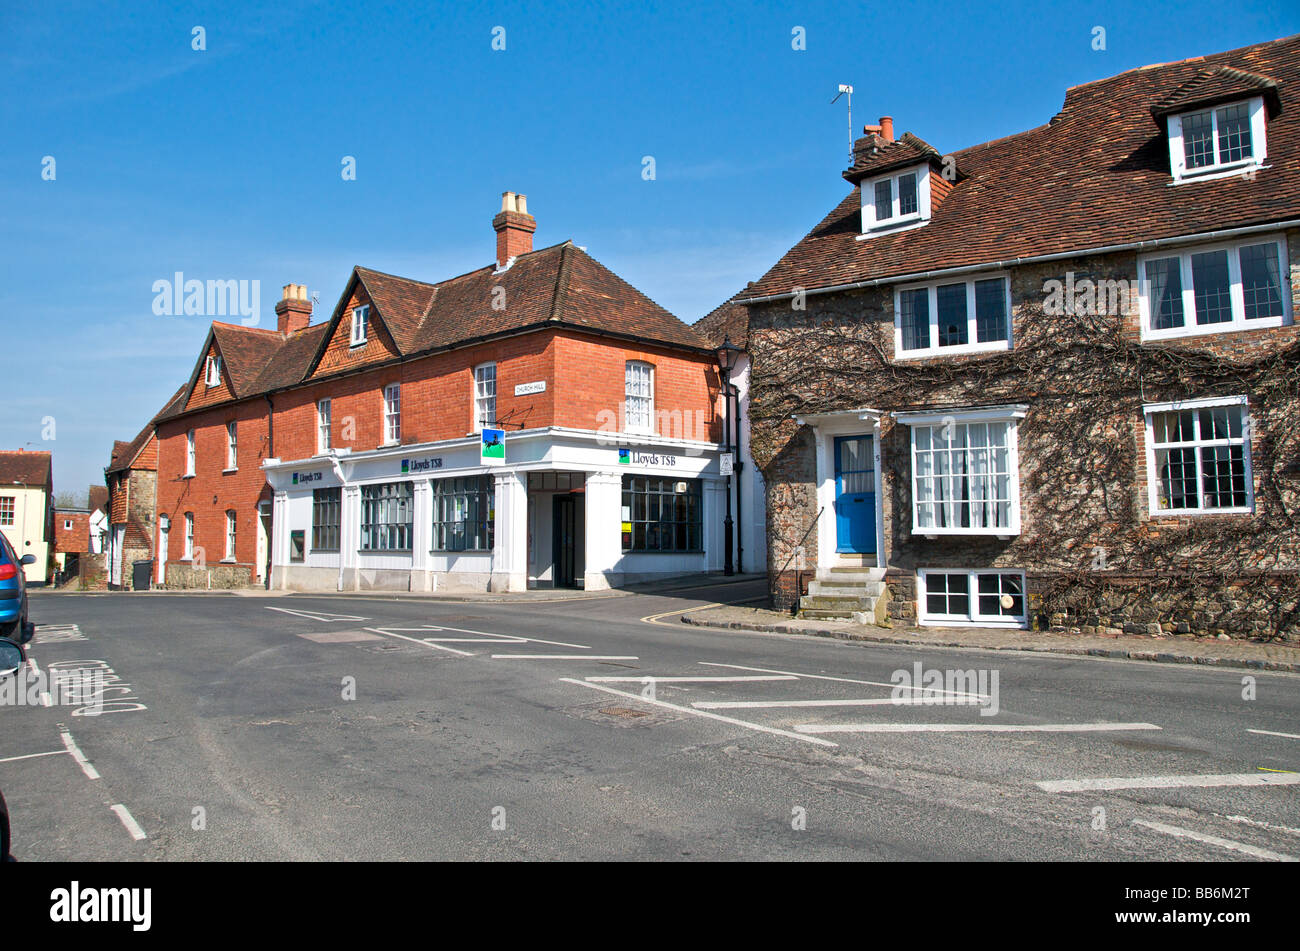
x,y
896,200
360,318
213,372
1217,141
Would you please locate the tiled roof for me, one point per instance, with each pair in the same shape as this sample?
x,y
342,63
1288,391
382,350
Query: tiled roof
x,y
561,285
25,468
1216,85
873,155
98,498
125,453
728,321
1096,175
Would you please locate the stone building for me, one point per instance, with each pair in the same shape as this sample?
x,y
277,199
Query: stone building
x,y
1050,379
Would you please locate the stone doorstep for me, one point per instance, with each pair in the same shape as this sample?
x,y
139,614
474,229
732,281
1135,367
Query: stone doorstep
x,y
855,633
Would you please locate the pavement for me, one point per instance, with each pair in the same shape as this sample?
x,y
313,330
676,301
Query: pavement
x,y
339,728
1174,648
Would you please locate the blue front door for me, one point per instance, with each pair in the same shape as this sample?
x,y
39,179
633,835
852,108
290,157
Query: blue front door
x,y
855,495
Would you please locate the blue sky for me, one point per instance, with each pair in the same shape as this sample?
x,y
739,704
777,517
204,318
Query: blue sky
x,y
225,163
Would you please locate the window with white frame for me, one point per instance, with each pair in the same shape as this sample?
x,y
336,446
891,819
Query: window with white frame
x,y
230,535
213,374
965,472
322,426
189,453
900,198
639,397
189,536
386,516
993,598
965,316
1217,141
485,396
1198,456
232,446
1212,289
464,513
392,414
360,324
7,509
67,524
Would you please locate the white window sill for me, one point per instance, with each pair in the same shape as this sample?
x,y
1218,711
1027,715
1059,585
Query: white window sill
x,y
933,534
355,344
229,471
1201,330
1013,624
997,346
1213,172
227,561
892,227
188,475
1198,513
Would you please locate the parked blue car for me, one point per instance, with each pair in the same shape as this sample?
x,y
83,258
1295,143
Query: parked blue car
x,y
13,594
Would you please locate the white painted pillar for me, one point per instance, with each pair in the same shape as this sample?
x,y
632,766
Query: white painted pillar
x,y
279,540
510,555
604,540
421,526
349,536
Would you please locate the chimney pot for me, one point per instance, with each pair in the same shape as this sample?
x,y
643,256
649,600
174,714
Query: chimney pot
x,y
887,128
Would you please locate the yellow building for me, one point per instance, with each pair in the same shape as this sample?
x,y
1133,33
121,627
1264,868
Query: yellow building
x,y
27,508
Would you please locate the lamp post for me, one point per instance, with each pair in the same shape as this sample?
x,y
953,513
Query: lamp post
x,y
727,355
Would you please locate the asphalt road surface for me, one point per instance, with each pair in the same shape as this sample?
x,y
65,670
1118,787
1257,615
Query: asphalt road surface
x,y
338,728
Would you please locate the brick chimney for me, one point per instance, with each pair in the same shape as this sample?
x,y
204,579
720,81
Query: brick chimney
x,y
293,310
514,227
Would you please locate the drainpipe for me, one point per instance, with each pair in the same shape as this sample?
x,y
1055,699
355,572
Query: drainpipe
x,y
270,428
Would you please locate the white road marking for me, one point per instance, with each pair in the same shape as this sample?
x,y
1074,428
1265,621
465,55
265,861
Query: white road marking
x,y
566,657
11,759
1262,825
970,728
504,638
80,757
475,640
1289,736
847,680
318,615
1171,782
699,713
1208,839
874,702
132,826
683,680
416,640
46,699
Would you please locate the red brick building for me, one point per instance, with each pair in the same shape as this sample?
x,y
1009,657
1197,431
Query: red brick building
x,y
351,454
1050,378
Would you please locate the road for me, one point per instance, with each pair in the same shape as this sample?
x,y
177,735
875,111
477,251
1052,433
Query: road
x,y
338,728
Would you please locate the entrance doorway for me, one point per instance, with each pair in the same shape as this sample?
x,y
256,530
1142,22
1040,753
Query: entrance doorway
x,y
855,495
564,531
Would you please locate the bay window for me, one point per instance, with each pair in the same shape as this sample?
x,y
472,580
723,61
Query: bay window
x,y
965,472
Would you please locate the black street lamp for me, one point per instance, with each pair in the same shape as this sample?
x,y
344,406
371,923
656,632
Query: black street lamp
x,y
728,353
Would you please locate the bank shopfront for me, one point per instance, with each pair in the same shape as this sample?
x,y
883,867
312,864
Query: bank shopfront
x,y
541,508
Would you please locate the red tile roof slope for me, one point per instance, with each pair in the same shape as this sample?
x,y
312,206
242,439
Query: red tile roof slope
x,y
1096,175
23,467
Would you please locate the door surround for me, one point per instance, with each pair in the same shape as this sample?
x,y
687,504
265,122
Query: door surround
x,y
825,427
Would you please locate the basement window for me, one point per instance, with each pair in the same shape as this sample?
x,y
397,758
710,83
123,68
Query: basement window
x,y
974,598
1212,143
